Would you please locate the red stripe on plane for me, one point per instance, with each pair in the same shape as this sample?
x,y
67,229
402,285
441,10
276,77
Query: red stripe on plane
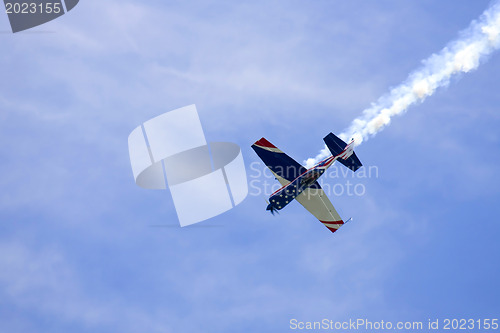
x,y
264,143
332,229
333,222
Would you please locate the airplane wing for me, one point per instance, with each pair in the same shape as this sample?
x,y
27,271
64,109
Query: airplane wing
x,y
317,203
284,168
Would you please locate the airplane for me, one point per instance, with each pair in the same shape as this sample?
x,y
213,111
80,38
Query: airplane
x,y
301,184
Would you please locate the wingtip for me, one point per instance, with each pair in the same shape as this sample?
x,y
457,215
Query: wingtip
x,y
333,226
264,143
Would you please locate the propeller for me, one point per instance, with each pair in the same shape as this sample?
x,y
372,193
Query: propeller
x,y
271,208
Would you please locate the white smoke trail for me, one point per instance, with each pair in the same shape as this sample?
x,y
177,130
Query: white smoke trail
x,y
475,43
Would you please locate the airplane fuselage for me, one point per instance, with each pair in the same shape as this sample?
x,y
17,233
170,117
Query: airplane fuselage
x,y
286,194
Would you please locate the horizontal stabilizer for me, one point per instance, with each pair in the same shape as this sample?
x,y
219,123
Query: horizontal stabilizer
x,y
337,146
352,162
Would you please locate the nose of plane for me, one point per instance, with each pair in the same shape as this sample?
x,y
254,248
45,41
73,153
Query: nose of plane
x,y
271,208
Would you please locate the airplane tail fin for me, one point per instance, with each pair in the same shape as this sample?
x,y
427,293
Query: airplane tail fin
x,y
337,146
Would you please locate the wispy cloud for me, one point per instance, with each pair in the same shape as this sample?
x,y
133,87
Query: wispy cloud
x,y
76,249
43,281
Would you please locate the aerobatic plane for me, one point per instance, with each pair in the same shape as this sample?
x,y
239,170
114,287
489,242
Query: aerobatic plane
x,y
301,183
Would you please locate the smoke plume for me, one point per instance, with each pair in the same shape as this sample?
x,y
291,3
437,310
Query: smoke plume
x,y
462,55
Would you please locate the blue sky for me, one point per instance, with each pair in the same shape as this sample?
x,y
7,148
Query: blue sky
x,y
80,249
